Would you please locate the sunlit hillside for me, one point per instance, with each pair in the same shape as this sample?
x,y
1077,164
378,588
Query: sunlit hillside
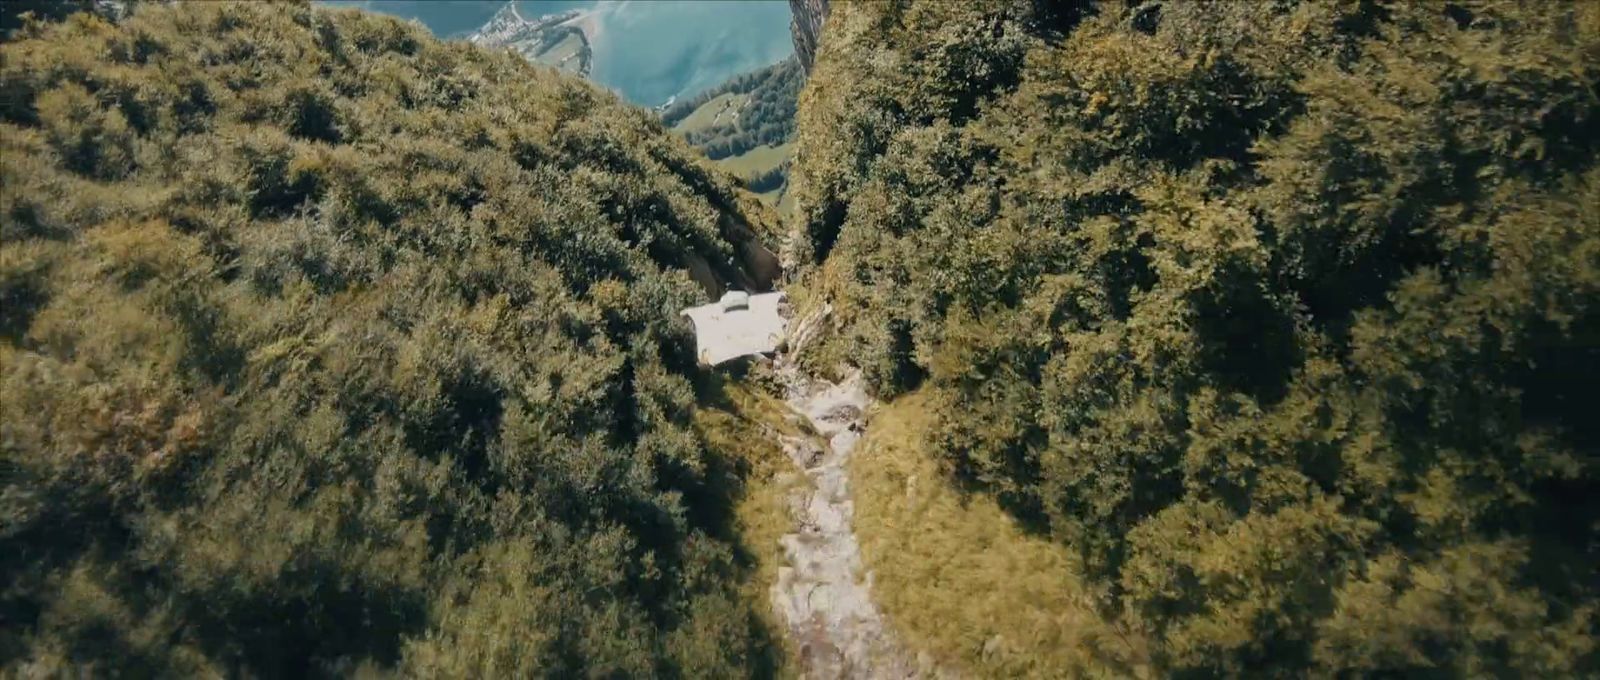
x,y
1284,317
326,346
1117,338
746,126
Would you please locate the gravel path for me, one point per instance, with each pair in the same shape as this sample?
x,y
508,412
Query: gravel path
x,y
823,594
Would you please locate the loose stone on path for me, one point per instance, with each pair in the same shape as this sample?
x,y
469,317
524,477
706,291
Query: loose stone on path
x,y
823,594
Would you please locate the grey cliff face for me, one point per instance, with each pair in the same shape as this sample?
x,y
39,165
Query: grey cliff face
x,y
806,27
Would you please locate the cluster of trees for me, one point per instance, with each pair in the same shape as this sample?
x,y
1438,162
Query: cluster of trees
x,y
12,13
1285,315
727,140
769,81
767,180
327,347
766,119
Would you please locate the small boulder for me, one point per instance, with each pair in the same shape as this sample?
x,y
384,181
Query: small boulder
x,y
843,413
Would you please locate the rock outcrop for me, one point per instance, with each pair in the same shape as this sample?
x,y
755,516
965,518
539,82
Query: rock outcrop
x,y
806,28
824,594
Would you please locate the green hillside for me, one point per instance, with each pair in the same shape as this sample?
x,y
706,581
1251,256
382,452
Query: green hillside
x,y
750,110
327,347
746,126
1234,339
1285,317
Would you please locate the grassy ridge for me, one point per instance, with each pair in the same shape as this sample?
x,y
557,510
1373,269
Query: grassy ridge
x,y
746,126
712,113
328,347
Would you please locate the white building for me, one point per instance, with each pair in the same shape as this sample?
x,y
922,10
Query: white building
x,y
738,325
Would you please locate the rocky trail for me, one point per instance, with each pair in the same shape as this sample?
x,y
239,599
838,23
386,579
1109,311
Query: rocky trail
x,y
823,593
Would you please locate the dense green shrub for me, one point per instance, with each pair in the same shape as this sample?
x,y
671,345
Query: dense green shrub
x,y
326,346
1286,315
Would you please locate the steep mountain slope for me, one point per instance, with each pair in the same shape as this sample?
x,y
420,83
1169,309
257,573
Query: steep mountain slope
x,y
1285,316
752,109
329,347
806,18
746,126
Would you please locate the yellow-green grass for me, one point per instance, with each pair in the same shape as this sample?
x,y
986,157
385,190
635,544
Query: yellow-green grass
x,y
785,206
959,579
772,198
781,200
757,160
719,110
742,430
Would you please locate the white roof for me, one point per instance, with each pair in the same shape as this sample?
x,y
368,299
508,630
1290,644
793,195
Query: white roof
x,y
722,333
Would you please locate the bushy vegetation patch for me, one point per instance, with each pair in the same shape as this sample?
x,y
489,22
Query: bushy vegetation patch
x,y
327,346
1284,315
960,579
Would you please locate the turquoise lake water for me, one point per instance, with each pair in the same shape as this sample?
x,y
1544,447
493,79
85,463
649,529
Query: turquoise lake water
x,y
646,50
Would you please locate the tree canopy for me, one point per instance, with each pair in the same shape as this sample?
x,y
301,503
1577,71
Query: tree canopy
x,y
1286,315
326,346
